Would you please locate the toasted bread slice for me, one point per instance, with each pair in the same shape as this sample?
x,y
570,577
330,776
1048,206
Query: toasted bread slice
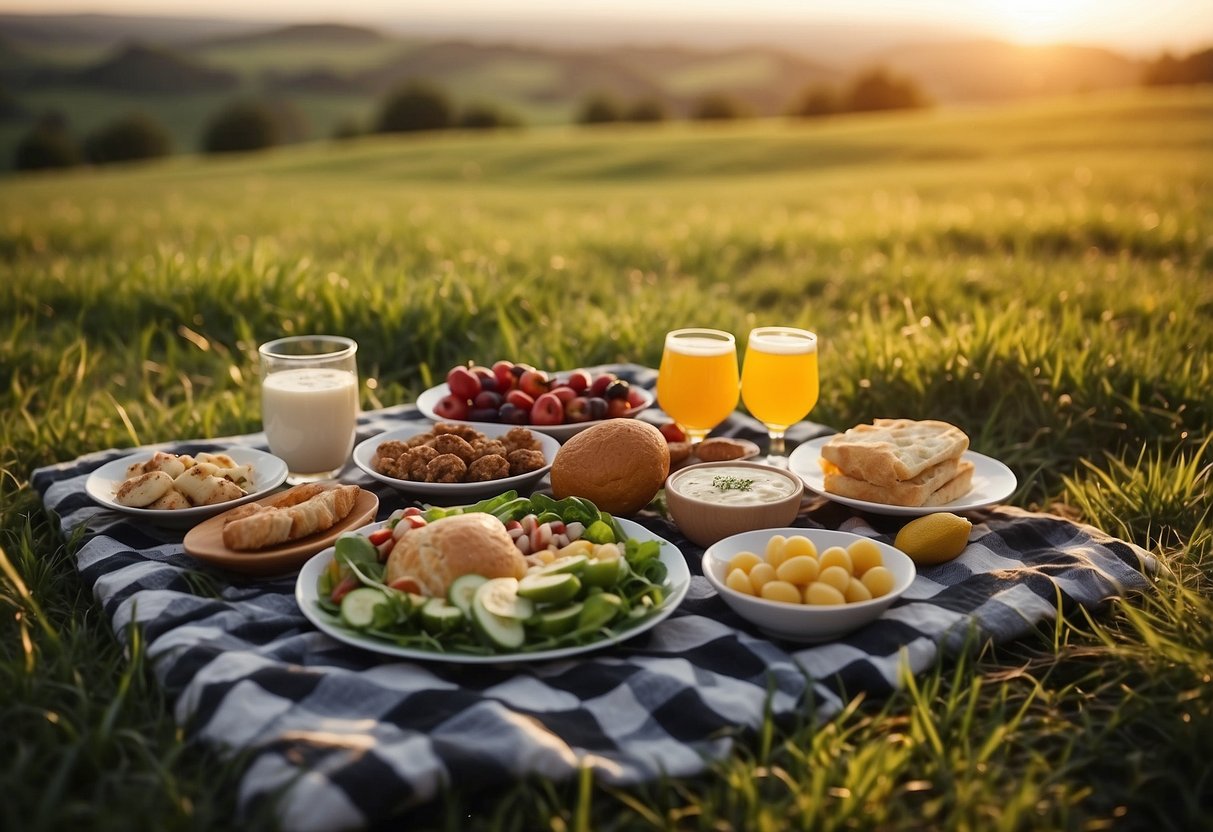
x,y
943,484
894,450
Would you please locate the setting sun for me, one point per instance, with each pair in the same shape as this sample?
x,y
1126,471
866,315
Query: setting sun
x,y
1041,21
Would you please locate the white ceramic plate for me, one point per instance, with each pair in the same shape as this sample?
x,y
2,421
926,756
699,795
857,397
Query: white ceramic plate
x,y
430,398
798,622
677,581
364,457
269,472
992,482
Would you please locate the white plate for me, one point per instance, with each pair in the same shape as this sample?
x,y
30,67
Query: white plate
x,y
269,472
364,457
678,580
992,482
429,399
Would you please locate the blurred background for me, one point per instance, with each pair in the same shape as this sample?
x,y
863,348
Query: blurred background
x,y
102,81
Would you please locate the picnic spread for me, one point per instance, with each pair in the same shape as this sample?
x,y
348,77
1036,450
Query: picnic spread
x,y
340,737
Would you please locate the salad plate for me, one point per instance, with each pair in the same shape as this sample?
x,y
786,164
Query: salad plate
x,y
269,472
678,580
430,398
364,458
992,482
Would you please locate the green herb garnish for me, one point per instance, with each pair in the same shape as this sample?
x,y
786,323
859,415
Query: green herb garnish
x,y
732,483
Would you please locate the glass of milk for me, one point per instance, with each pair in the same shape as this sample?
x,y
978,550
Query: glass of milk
x,y
309,403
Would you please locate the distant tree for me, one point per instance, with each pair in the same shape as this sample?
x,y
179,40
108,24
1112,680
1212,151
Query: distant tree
x,y
242,126
1166,70
347,128
600,108
414,107
486,117
130,137
719,106
646,110
47,145
10,108
878,89
817,100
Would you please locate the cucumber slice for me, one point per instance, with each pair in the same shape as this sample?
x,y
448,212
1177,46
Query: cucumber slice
x,y
358,608
603,573
555,588
599,610
463,589
558,621
569,563
500,597
498,631
438,616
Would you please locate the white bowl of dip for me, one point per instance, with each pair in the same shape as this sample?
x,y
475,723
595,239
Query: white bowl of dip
x,y
713,500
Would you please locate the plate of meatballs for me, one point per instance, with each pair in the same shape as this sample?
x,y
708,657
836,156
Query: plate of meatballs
x,y
447,461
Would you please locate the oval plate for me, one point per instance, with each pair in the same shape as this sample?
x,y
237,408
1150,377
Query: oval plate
x,y
269,472
992,482
204,542
430,398
678,579
364,457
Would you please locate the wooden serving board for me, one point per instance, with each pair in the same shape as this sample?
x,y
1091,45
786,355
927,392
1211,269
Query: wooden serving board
x,y
204,542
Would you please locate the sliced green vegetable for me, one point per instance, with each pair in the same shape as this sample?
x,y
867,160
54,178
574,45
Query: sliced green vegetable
x,y
552,588
603,573
500,597
599,610
463,589
497,630
360,607
573,564
557,621
438,616
599,532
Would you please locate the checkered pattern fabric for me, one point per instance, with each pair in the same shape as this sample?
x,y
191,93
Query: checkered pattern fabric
x,y
339,738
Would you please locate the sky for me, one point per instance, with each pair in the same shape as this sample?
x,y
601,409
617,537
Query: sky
x,y
1130,24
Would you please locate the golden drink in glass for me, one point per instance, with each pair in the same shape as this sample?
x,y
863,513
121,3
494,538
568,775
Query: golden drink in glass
x,y
697,383
779,381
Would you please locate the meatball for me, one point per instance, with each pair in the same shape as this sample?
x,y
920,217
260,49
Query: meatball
x,y
464,432
524,461
487,447
397,467
419,460
488,467
520,439
391,449
449,443
445,468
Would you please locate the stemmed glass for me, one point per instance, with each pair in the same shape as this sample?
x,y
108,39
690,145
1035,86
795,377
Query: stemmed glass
x,y
697,383
779,381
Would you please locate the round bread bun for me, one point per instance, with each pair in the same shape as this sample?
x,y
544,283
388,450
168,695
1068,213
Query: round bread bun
x,y
465,544
619,465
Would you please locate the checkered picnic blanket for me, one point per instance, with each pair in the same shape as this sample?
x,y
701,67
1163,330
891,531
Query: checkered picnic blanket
x,y
339,738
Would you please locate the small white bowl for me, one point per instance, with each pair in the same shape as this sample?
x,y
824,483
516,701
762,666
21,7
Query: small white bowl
x,y
796,622
705,521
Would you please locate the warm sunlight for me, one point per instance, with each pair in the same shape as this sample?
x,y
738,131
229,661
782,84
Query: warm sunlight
x,y
1043,21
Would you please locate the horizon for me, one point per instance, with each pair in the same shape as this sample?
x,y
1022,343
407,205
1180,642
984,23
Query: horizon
x,y
1128,25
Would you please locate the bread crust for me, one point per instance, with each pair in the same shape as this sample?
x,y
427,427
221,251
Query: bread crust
x,y
303,510
619,465
465,544
939,485
891,451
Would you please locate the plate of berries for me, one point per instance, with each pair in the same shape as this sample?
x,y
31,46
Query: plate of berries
x,y
557,404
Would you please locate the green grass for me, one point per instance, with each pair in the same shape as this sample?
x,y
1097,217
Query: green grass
x,y
1040,275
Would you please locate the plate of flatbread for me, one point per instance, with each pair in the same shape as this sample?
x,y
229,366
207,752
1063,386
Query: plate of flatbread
x,y
277,534
902,467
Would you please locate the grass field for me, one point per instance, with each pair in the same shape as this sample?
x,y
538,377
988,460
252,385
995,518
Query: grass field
x,y
1040,275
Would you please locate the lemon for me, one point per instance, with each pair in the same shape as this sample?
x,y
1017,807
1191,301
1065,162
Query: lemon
x,y
934,538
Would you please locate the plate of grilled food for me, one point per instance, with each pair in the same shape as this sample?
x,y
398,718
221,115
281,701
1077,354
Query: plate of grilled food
x,y
278,534
902,467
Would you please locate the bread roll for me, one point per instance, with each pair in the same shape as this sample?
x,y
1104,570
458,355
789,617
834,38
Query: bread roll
x,y
466,544
619,465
